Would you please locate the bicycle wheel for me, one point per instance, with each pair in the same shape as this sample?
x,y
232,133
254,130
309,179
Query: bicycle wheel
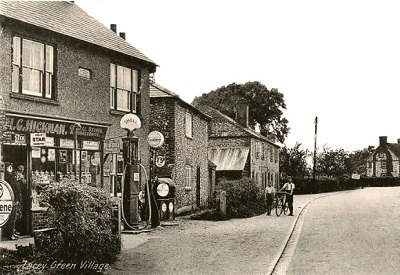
x,y
286,208
279,207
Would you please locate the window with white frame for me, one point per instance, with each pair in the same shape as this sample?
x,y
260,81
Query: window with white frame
x,y
189,125
124,88
188,176
32,68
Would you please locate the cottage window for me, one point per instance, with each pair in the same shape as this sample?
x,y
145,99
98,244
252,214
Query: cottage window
x,y
188,125
271,154
124,88
383,164
188,176
32,68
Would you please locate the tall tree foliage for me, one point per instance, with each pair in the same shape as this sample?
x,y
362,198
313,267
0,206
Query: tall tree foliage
x,y
333,163
358,160
265,106
293,161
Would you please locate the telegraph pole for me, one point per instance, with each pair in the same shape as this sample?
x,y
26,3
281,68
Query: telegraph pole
x,y
315,146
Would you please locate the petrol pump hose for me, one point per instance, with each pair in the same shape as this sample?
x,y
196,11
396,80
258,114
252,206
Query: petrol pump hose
x,y
148,199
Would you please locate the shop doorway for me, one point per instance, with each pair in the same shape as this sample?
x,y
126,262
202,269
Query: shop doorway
x,y
17,156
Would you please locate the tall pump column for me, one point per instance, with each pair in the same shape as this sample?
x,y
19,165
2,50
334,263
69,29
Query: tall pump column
x,y
131,183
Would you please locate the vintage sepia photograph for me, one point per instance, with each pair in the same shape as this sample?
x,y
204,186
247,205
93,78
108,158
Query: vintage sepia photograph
x,y
199,137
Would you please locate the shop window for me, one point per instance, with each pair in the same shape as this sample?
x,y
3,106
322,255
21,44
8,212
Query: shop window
x,y
124,89
189,125
32,68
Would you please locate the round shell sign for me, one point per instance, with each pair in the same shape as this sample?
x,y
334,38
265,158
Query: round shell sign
x,y
130,122
6,202
155,139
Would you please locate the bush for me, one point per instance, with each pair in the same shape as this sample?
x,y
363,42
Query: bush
x,y
244,198
82,218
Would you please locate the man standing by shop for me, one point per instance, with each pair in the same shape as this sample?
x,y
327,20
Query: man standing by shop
x,y
289,188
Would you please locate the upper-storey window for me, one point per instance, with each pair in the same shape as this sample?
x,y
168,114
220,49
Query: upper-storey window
x,y
33,68
189,125
123,88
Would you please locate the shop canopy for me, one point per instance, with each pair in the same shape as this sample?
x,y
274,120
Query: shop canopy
x,y
229,159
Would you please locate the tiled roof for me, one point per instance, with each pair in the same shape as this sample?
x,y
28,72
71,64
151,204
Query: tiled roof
x,y
67,18
395,147
158,91
214,113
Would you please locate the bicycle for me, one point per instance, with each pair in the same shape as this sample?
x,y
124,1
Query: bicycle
x,y
281,204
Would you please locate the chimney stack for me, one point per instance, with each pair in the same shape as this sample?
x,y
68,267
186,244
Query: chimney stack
x,y
123,35
382,141
242,113
113,27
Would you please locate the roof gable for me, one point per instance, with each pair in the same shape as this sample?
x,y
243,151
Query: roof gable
x,y
158,91
216,114
68,19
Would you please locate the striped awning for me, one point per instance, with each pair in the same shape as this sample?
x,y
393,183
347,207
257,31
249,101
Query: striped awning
x,y
229,159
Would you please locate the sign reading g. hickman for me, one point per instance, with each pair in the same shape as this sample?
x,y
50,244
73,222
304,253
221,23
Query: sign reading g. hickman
x,y
22,124
6,202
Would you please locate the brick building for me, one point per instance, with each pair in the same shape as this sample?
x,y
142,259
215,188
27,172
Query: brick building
x,y
384,161
186,140
66,81
237,151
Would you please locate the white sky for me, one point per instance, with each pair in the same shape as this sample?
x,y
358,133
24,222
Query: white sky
x,y
338,60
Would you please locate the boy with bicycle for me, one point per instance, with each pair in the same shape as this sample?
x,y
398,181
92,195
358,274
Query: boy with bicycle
x,y
288,188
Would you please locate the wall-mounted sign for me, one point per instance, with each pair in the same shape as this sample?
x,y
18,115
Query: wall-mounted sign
x,y
130,122
85,73
66,129
160,161
6,201
66,143
155,139
112,147
38,139
90,145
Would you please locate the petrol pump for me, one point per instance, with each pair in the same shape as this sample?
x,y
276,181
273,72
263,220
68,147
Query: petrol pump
x,y
131,190
131,175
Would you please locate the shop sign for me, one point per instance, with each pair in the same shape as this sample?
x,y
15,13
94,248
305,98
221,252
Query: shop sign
x,y
130,122
90,145
160,161
58,128
20,139
6,202
155,139
67,143
38,139
112,147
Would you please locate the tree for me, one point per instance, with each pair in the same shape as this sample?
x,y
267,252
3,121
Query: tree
x,y
265,106
293,161
333,163
358,160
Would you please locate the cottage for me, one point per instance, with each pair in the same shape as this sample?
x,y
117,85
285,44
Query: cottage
x,y
238,151
384,160
185,149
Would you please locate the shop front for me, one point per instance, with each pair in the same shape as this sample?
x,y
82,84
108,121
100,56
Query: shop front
x,y
43,150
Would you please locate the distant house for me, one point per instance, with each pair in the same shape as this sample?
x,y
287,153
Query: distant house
x,y
384,160
238,151
185,150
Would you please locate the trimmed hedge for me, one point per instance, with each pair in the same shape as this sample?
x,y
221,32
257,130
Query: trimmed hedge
x,y
243,198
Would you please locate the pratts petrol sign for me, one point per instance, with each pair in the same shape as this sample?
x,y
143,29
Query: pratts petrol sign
x,y
6,202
